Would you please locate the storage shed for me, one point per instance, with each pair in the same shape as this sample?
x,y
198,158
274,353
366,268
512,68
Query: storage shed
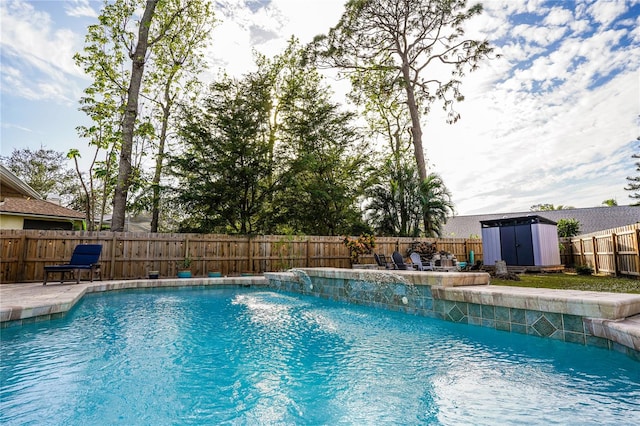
x,y
520,241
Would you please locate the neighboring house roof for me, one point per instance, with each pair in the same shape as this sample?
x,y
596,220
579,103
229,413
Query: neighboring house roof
x,y
18,198
12,186
40,208
591,219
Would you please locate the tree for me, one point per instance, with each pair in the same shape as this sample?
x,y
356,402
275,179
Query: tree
x,y
420,43
436,204
138,58
222,171
176,61
103,102
549,207
634,182
398,202
611,202
268,152
326,167
43,170
568,228
393,204
161,33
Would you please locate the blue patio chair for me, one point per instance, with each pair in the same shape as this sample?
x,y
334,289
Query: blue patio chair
x,y
85,258
381,260
398,260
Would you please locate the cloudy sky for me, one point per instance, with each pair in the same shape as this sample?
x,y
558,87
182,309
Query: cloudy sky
x,y
554,120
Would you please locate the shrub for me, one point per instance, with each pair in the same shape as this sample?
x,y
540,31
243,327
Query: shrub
x,y
568,228
362,245
584,270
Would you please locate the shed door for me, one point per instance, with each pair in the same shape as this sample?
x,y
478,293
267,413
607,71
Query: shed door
x,y
517,245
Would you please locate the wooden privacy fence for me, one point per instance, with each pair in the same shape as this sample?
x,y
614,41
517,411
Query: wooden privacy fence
x,y
129,255
613,251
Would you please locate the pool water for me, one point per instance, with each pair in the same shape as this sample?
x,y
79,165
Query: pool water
x,y
248,356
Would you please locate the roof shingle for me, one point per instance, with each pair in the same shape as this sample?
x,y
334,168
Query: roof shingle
x,y
30,206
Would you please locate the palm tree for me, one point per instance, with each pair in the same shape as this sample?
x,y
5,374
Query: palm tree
x,y
393,203
436,204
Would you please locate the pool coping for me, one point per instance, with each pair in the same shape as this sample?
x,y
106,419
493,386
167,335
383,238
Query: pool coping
x,y
30,302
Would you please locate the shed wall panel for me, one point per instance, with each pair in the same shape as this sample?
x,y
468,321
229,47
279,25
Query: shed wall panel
x,y
491,251
546,249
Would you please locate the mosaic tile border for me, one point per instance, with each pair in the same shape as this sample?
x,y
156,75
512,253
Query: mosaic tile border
x,y
424,301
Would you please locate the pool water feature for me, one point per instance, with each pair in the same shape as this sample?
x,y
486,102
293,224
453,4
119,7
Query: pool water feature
x,y
248,356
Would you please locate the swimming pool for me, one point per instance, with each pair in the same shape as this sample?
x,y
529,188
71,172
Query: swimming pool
x,y
249,356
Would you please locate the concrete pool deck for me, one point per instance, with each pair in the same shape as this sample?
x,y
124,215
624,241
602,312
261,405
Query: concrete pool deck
x,y
591,318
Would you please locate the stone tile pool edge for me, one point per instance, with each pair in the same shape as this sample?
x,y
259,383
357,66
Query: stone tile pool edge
x,y
32,302
606,320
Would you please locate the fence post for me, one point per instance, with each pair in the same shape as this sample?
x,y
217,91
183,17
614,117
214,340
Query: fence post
x,y
614,245
22,255
582,256
250,254
594,249
113,256
308,257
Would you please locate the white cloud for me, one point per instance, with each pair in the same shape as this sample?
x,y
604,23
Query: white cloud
x,y
605,12
81,8
558,16
44,54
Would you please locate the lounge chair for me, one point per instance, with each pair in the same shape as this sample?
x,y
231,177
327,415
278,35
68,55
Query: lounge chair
x,y
417,261
381,260
85,258
398,261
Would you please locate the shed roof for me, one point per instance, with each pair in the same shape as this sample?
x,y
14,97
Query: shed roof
x,y
519,220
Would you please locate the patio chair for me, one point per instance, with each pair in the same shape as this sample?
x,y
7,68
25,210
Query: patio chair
x,y
398,261
417,261
381,260
84,258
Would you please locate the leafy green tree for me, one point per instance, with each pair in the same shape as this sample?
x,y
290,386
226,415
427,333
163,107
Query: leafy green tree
x,y
136,34
223,169
138,55
44,170
634,182
568,228
416,40
274,134
327,165
611,202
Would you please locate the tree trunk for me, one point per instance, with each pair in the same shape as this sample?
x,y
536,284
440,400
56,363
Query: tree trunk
x,y
129,120
416,128
166,112
416,132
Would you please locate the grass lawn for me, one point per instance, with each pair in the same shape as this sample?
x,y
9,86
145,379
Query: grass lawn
x,y
574,282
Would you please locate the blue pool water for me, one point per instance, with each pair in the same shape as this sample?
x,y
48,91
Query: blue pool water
x,y
205,356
